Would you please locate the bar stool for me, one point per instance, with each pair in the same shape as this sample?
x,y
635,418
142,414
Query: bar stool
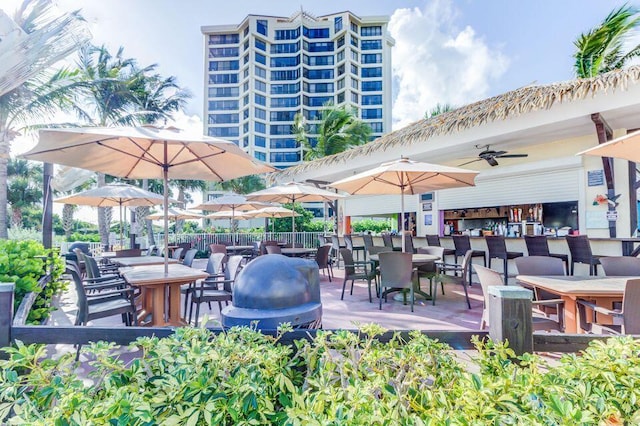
x,y
388,241
498,249
580,250
335,248
462,244
434,240
537,245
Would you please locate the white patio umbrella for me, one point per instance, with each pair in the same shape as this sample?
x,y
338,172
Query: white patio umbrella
x,y
404,176
272,213
174,213
292,192
626,147
115,194
235,202
146,152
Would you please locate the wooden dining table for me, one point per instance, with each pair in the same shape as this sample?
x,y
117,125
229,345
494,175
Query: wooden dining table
x,y
141,260
603,291
154,284
297,251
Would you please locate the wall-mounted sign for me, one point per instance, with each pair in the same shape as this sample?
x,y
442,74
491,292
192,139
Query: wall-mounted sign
x,y
595,177
612,215
427,207
428,219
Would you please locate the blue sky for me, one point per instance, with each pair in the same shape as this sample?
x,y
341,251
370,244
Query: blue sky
x,y
446,51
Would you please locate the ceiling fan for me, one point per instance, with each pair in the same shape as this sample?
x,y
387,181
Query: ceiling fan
x,y
490,155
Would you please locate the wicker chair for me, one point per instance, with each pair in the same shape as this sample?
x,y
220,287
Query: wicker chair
x,y
434,240
356,271
498,250
538,245
396,271
387,239
580,250
323,261
628,317
621,266
348,242
462,245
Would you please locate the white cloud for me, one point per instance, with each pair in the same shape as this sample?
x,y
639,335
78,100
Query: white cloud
x,y
435,62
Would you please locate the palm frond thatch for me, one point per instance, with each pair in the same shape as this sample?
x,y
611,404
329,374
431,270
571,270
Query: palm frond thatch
x,y
498,108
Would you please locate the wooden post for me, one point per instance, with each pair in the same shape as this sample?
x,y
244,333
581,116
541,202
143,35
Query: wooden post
x,y
6,315
510,317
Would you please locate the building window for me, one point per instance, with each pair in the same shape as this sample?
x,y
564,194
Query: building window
x,y
223,52
260,113
224,65
285,89
285,48
354,55
321,46
337,23
245,100
340,42
285,75
318,74
354,98
223,118
245,59
260,86
370,114
261,156
318,87
246,45
245,113
260,72
312,114
246,31
260,141
280,129
318,60
371,86
283,143
354,41
223,92
371,31
260,44
372,58
371,72
224,38
341,97
284,157
245,128
371,44
287,61
285,102
245,141
245,86
223,78
223,105
287,34
341,84
354,84
262,26
341,70
282,115
354,69
340,56
246,73
354,27
376,127
372,100
259,99
315,32
317,101
224,132
260,58
260,127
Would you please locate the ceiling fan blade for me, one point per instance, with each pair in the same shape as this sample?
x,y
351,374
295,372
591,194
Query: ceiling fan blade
x,y
497,153
512,155
469,162
492,161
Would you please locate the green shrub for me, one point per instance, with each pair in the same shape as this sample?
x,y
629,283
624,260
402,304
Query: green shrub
x,y
375,226
19,265
340,378
92,237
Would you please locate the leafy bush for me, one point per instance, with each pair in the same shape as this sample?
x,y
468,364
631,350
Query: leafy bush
x,y
92,237
375,226
340,378
19,265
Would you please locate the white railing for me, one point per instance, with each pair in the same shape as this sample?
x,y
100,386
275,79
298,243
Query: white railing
x,y
202,241
95,248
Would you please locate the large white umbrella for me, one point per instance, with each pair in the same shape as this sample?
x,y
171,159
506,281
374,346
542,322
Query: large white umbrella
x,y
404,176
626,147
292,192
235,202
174,213
272,213
115,194
146,152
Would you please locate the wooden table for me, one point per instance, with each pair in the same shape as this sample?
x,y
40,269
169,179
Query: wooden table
x,y
602,290
141,260
153,282
417,259
297,251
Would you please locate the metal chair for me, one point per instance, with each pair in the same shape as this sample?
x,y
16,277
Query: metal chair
x,y
462,275
215,269
322,259
434,240
628,317
348,241
621,266
265,244
408,243
462,244
580,250
489,277
273,250
189,256
430,270
387,239
335,249
396,271
498,250
543,266
538,245
359,270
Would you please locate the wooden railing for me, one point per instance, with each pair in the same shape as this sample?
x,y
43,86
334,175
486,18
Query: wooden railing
x,y
510,314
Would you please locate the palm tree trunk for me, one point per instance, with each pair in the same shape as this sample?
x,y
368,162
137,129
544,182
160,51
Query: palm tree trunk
x,y
104,217
5,140
180,222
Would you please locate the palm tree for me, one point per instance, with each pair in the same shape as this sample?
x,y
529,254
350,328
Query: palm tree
x,y
339,129
24,187
184,185
31,93
604,48
242,185
438,109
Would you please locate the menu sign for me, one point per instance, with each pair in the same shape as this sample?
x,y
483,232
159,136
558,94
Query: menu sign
x,y
595,177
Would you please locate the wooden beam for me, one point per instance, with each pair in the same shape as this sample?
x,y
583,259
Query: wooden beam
x,y
605,134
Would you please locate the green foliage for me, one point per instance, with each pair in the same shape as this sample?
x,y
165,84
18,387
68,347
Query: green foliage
x,y
339,378
19,265
438,109
375,226
303,222
319,226
92,237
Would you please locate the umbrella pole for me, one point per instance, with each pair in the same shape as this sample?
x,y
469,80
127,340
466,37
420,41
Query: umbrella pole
x,y
402,215
165,177
120,212
293,221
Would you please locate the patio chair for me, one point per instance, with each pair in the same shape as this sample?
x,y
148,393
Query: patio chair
x,y
189,256
152,250
265,244
408,243
95,274
461,275
335,249
434,240
273,250
543,266
462,244
387,240
322,259
489,277
538,245
625,320
430,270
208,290
348,241
133,252
498,250
360,270
621,266
215,269
184,247
177,253
217,248
396,272
580,250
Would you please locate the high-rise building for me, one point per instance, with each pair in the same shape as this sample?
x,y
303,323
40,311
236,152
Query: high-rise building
x,y
261,73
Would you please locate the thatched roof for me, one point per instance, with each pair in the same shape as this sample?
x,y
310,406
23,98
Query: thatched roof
x,y
507,105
